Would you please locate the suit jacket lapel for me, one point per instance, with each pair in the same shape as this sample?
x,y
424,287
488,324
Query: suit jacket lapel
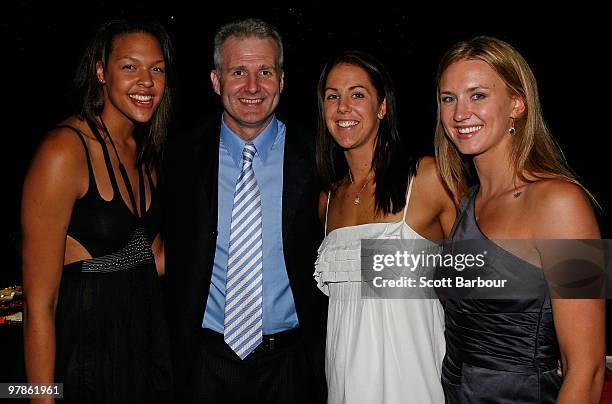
x,y
208,169
294,182
206,194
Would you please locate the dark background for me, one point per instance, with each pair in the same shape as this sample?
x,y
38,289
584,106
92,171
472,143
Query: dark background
x,y
563,46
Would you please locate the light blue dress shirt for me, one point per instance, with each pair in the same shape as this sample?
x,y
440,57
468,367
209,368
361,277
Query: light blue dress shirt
x,y
278,305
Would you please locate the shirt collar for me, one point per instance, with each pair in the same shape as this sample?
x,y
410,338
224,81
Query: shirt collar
x,y
263,142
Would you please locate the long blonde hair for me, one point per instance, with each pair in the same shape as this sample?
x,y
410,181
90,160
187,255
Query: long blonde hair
x,y
534,150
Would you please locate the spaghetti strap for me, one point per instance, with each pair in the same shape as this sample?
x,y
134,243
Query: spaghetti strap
x,y
152,186
124,175
107,160
141,189
92,179
122,171
327,210
408,197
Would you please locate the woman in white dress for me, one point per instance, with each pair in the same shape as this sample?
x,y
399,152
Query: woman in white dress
x,y
378,350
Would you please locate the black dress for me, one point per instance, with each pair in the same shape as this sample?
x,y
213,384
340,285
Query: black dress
x,y
498,351
111,335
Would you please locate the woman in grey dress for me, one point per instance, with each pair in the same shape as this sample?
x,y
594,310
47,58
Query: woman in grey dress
x,y
490,124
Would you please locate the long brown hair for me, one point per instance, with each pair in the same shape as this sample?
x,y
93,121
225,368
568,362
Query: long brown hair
x,y
392,164
151,136
534,151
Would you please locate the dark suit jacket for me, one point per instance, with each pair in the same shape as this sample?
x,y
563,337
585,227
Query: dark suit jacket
x,y
189,187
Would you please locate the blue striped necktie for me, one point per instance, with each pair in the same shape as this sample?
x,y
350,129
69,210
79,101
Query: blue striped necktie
x,y
243,289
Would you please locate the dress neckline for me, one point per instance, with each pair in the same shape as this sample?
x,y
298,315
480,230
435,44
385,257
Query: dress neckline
x,y
325,234
501,249
354,226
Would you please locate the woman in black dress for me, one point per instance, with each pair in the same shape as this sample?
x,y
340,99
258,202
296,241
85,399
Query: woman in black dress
x,y
490,124
90,216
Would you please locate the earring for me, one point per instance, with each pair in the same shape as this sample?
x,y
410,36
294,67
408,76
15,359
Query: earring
x,y
380,116
512,130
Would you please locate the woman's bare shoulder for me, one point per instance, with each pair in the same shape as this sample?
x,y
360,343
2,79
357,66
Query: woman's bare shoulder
x,y
61,145
429,180
60,159
560,208
556,193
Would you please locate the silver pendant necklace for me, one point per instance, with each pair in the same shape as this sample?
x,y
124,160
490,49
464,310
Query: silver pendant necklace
x,y
357,200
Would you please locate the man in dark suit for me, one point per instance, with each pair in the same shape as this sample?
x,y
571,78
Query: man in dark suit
x,y
247,320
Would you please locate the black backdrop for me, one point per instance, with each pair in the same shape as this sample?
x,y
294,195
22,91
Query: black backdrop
x,y
44,43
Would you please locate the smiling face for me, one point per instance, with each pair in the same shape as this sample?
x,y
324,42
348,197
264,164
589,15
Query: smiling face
x,y
134,77
351,106
476,107
249,83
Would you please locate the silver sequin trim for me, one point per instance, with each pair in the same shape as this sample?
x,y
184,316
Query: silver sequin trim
x,y
137,252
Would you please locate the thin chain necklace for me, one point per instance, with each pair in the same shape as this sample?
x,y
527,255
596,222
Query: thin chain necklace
x,y
515,194
357,200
